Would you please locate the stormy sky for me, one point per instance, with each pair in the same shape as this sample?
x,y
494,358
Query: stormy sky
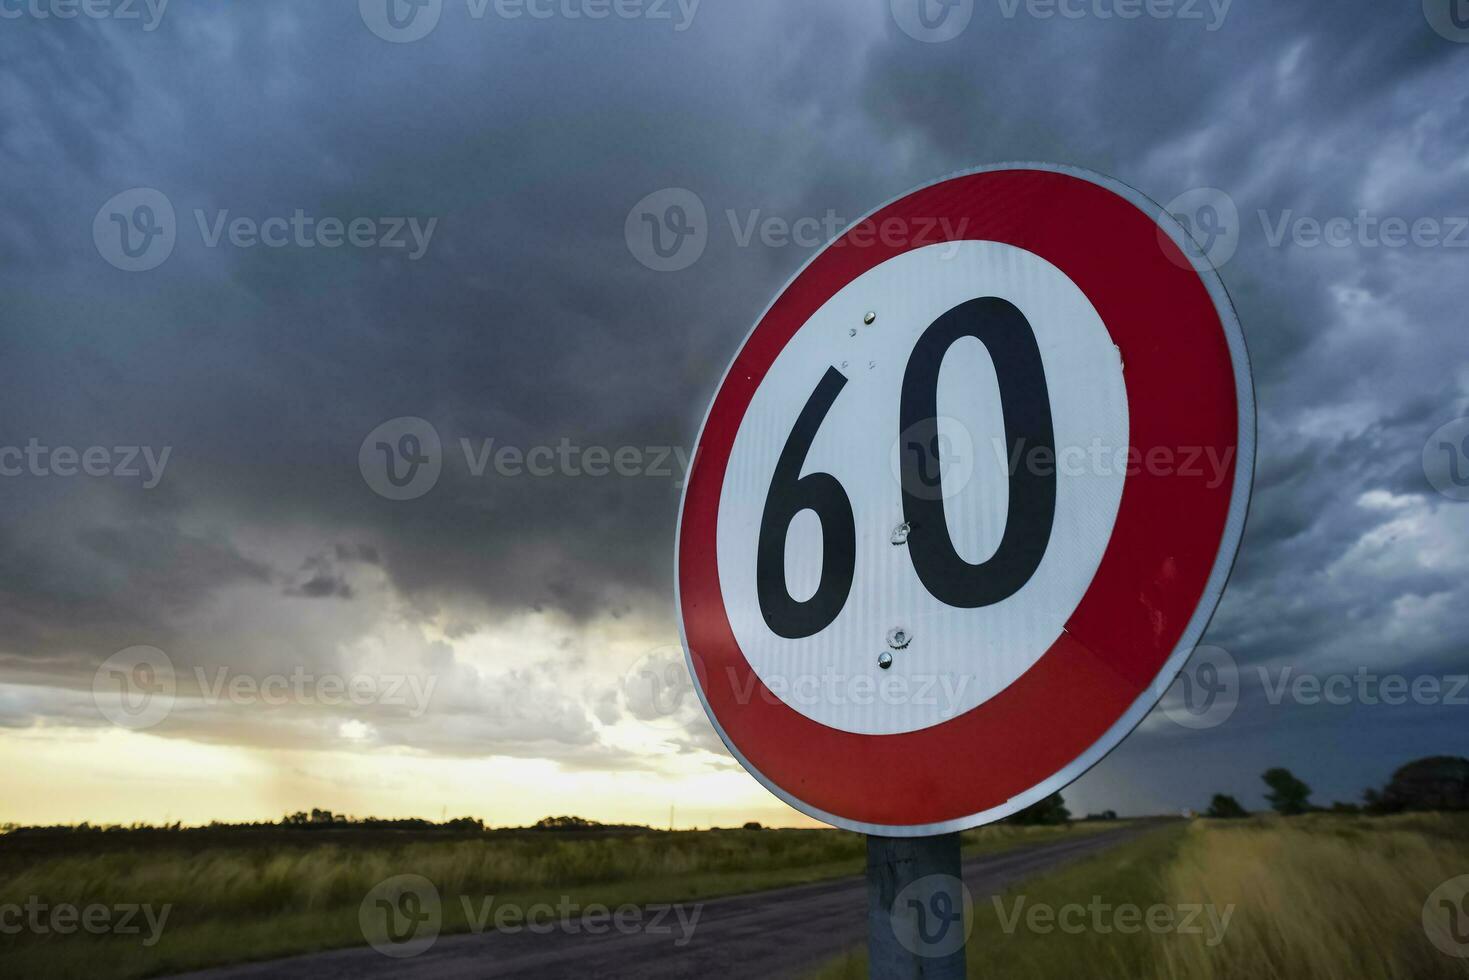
x,y
248,235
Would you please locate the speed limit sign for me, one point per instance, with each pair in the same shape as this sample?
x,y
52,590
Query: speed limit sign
x,y
965,500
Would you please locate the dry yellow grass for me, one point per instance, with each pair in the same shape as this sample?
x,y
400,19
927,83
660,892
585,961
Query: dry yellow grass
x,y
1316,898
1319,897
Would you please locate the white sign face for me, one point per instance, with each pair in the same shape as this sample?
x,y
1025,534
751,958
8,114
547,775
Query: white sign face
x,y
967,653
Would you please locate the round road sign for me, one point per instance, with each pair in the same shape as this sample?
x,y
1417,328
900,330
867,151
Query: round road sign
x,y
965,500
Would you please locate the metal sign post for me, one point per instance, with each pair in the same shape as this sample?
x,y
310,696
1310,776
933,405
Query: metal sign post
x,y
917,908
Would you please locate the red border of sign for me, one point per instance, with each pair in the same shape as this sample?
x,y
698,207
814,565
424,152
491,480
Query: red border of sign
x,y
1183,376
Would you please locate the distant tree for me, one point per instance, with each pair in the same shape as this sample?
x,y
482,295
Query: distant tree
x,y
753,825
1225,807
1104,815
1050,811
565,823
466,823
1288,795
1346,809
1436,783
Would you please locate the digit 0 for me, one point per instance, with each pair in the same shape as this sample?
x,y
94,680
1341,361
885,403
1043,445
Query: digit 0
x,y
1025,400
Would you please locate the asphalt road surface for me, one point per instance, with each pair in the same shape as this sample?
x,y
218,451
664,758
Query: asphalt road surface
x,y
782,933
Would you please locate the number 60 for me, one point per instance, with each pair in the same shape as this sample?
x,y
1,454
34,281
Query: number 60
x,y
1025,401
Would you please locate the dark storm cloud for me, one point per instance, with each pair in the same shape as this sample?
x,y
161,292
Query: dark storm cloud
x,y
526,319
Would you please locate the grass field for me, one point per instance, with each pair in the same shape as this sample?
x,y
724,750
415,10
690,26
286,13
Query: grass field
x,y
1310,898
261,901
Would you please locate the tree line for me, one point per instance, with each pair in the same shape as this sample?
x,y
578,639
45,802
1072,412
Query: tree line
x,y
1435,783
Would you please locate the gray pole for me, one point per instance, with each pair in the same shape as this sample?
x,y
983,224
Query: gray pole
x,y
916,904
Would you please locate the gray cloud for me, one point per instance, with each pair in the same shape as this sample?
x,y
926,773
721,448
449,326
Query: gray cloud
x,y
528,321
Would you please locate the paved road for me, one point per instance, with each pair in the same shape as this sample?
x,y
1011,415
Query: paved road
x,y
781,933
